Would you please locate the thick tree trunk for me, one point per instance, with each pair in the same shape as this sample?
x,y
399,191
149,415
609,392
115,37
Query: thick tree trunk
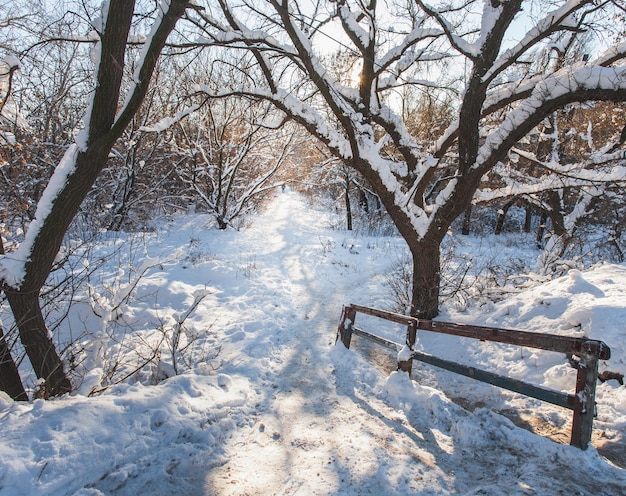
x,y
38,345
426,279
10,381
425,250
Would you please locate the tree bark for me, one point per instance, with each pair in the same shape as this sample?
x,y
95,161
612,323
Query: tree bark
x,y
556,213
38,345
528,219
348,204
502,216
363,203
541,229
467,221
10,381
426,279
425,248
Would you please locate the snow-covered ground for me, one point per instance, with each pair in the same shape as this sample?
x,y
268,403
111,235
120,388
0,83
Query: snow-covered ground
x,y
265,403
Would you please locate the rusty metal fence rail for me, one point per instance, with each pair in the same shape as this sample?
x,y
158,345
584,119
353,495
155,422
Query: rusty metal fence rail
x,y
584,353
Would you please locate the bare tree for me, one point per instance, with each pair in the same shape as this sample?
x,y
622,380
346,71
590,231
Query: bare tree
x,y
424,186
24,271
231,152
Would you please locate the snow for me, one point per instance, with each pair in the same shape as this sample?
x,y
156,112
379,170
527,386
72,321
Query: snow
x,y
562,16
352,25
11,61
167,122
561,82
12,265
284,410
9,111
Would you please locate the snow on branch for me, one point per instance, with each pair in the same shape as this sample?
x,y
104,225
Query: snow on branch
x,y
469,50
168,14
297,110
521,185
359,36
579,169
12,266
242,37
576,83
559,19
168,122
405,55
612,55
9,112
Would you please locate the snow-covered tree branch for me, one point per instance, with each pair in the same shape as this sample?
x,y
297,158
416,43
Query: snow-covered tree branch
x,y
423,185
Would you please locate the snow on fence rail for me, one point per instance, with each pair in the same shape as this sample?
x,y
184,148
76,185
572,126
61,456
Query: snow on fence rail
x,y
585,354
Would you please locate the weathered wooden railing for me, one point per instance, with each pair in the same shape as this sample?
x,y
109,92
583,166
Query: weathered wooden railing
x,y
585,354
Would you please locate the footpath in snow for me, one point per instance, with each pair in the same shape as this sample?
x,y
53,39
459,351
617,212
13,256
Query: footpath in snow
x,y
289,412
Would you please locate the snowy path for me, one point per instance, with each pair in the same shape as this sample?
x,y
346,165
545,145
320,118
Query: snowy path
x,y
319,426
305,438
288,412
292,443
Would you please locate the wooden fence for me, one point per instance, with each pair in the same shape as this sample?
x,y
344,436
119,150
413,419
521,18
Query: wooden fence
x,y
584,354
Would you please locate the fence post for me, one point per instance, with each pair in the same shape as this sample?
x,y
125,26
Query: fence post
x,y
344,331
585,397
411,336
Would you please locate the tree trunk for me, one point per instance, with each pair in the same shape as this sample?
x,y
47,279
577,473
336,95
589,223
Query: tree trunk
x,y
10,381
467,221
426,279
38,345
363,201
425,248
556,213
541,229
348,207
502,216
221,223
528,218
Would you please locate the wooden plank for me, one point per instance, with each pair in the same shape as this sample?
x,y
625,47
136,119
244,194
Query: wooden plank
x,y
588,350
344,331
551,342
393,317
411,336
377,339
585,398
548,395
